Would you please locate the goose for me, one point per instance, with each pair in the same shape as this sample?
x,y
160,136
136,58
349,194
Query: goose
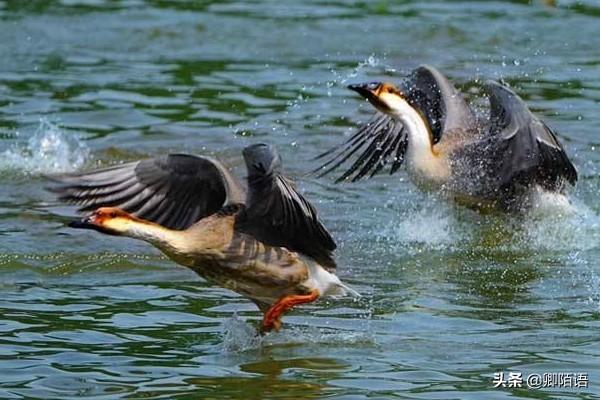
x,y
266,243
502,162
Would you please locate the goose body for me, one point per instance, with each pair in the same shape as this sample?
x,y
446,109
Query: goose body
x,y
221,254
265,243
499,162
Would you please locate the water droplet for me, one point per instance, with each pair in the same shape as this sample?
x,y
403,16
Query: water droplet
x,y
48,150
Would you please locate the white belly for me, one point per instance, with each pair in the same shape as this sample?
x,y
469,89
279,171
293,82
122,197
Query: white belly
x,y
428,171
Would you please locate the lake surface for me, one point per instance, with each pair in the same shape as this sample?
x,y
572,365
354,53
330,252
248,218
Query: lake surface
x,y
449,296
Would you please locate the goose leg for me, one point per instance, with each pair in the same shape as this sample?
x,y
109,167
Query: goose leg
x,y
272,318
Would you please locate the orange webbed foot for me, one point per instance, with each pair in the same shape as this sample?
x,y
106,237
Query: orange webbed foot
x,y
272,318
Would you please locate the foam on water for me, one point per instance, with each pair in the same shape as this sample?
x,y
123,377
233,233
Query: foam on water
x,y
48,150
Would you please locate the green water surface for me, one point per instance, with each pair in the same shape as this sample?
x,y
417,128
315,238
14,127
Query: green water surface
x,y
449,296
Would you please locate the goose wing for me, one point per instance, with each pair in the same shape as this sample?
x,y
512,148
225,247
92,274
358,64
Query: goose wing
x,y
527,149
383,140
174,191
277,214
380,142
443,106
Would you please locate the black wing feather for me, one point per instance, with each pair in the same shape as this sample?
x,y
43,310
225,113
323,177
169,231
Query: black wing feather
x,y
378,138
277,214
349,147
528,149
175,190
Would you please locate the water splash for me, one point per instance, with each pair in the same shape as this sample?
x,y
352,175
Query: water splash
x,y
48,150
241,336
555,223
434,226
591,283
549,203
297,105
562,225
342,78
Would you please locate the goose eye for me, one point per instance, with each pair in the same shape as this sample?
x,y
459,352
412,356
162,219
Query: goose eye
x,y
260,167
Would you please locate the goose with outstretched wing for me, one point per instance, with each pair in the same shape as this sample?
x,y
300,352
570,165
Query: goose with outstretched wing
x,y
266,243
500,162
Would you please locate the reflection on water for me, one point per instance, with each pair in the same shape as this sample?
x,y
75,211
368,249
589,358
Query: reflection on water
x,y
449,296
256,387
